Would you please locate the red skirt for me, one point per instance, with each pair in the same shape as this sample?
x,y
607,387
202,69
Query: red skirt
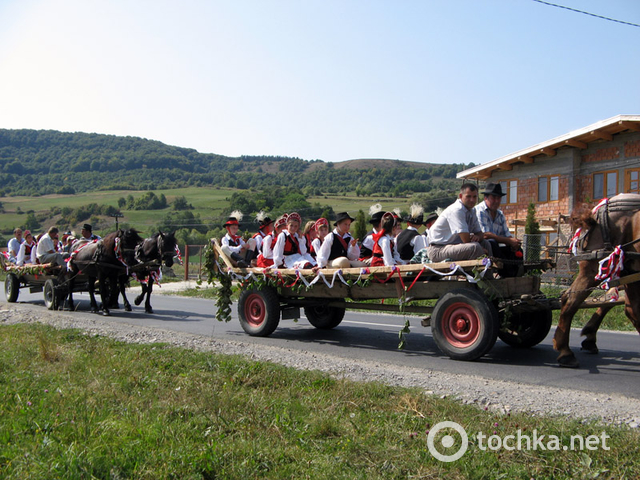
x,y
264,262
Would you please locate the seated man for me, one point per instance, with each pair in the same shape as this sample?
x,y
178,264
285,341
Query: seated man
x,y
87,232
494,225
46,249
13,246
456,234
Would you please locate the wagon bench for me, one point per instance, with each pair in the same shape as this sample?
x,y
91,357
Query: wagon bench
x,y
472,309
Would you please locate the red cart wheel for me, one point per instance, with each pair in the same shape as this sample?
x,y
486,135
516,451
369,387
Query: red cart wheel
x,y
259,311
464,324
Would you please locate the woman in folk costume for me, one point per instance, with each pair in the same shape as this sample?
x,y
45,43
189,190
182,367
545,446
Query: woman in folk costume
x,y
366,249
290,249
309,233
234,245
322,230
339,249
384,253
265,259
27,250
265,227
409,241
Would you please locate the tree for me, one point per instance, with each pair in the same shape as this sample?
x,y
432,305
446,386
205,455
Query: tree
x,y
360,229
31,223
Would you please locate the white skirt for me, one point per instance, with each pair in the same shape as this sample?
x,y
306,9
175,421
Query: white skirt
x,y
298,261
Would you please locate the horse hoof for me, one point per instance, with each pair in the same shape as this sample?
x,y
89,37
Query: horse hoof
x,y
148,310
106,313
127,308
568,361
137,301
590,347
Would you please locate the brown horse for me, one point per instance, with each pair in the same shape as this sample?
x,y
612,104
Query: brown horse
x,y
619,223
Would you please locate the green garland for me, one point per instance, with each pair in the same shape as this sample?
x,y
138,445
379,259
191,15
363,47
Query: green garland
x,y
215,272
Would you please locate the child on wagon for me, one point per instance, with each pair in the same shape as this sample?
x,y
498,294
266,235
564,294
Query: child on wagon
x,y
234,245
384,253
27,251
310,235
339,249
265,259
322,229
265,227
290,249
366,249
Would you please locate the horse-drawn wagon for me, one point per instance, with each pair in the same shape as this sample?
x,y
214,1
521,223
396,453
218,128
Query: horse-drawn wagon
x,y
472,306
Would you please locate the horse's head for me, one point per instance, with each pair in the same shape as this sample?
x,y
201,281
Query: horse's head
x,y
129,240
167,247
591,234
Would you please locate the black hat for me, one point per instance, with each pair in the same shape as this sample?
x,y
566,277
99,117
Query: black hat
x,y
264,222
376,217
87,227
342,216
431,218
494,189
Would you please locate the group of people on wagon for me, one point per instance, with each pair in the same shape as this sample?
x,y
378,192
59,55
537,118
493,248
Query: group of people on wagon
x,y
463,231
48,248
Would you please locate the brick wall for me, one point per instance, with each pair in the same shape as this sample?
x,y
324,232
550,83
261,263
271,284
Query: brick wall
x,y
632,149
602,154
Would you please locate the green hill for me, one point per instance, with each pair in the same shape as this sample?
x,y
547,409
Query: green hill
x,y
41,162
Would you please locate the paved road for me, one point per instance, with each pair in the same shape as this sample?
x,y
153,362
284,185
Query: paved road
x,y
374,337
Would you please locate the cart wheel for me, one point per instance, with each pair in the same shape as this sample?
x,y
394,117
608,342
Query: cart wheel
x,y
12,288
464,324
50,296
259,311
526,329
324,317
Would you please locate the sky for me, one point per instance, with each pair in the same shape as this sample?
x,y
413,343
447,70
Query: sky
x,y
444,81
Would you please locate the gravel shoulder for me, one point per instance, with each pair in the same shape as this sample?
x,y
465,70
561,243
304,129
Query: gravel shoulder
x,y
474,390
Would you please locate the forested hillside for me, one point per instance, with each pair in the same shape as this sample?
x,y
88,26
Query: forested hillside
x,y
40,162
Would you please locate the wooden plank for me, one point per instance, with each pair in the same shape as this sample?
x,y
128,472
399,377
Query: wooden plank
x,y
549,152
634,277
576,143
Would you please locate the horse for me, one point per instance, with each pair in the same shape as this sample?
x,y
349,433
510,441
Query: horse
x,y
150,254
617,224
103,260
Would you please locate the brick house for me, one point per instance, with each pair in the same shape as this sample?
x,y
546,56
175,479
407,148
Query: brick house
x,y
585,165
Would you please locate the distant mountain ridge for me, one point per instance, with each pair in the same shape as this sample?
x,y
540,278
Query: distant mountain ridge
x,y
49,161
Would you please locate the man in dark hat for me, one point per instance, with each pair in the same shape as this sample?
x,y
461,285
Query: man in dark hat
x,y
494,225
409,241
87,233
339,249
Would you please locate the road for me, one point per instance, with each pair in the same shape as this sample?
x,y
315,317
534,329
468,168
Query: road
x,y
374,337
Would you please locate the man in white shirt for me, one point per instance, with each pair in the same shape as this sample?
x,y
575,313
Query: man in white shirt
x,y
46,251
457,235
13,246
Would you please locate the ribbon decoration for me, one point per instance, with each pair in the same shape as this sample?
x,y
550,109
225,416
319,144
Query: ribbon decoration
x,y
178,254
603,202
609,268
118,251
573,244
75,252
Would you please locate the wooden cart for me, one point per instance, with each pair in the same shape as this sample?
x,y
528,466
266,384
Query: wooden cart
x,y
472,307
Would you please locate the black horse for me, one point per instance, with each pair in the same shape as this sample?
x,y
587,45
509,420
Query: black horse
x,y
104,260
151,254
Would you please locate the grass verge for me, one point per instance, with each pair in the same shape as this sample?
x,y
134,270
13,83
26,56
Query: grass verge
x,y
76,406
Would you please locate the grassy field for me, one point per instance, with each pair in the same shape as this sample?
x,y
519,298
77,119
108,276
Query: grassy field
x,y
77,406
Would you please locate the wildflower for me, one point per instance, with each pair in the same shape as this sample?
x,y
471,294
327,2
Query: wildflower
x,y
28,403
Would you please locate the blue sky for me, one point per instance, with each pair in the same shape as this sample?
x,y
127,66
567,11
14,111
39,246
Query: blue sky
x,y
430,81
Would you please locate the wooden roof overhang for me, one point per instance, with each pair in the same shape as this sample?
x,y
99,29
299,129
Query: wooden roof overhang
x,y
601,131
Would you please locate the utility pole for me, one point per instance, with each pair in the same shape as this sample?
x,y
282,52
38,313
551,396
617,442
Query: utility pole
x,y
117,216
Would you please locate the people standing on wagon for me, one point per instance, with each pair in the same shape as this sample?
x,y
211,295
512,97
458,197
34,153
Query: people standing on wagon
x,y
409,241
13,246
265,259
265,227
366,249
384,253
339,249
46,249
88,234
456,234
290,250
494,225
322,230
233,245
27,252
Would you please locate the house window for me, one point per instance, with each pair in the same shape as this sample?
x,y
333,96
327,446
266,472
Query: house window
x,y
549,188
605,184
510,187
632,181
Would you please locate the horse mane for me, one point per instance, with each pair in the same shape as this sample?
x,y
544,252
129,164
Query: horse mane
x,y
581,217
